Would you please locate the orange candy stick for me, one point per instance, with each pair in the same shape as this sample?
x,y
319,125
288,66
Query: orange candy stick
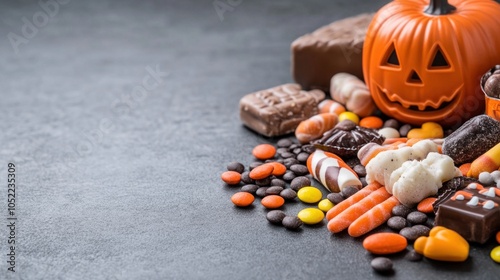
x,y
314,127
343,205
373,218
487,162
399,140
371,150
348,216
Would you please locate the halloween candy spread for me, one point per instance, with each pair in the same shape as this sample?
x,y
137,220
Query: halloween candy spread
x,y
408,146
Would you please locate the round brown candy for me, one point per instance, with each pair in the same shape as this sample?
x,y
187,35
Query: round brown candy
x,y
416,217
292,222
299,182
251,188
274,190
275,216
236,166
382,264
492,86
391,123
288,194
396,223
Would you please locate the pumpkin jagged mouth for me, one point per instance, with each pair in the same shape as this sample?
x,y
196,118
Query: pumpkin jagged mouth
x,y
397,100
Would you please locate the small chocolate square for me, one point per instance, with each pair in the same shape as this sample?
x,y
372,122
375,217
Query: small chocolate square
x,y
473,212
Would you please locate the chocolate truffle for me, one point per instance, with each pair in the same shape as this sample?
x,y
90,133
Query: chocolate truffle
x,y
492,86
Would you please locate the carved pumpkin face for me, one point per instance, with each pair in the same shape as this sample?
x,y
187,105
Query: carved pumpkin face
x,y
424,67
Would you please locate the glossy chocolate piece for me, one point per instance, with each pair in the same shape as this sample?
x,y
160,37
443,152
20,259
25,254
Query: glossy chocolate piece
x,y
473,212
492,86
346,138
472,139
329,50
449,188
279,110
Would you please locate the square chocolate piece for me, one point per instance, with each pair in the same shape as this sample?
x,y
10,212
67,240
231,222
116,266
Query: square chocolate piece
x,y
329,50
473,212
279,110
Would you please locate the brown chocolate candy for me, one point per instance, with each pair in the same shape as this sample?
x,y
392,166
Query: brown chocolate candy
x,y
473,212
472,139
346,138
329,50
492,86
279,110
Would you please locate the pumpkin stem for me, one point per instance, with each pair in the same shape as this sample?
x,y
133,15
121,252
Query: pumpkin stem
x,y
439,7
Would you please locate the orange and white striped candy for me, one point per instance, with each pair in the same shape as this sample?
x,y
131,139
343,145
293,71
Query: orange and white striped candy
x,y
314,127
331,106
331,171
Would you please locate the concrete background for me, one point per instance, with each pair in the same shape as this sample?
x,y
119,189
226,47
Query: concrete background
x,y
117,169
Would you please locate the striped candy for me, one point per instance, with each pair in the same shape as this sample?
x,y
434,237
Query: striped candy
x,y
331,106
349,90
314,127
331,171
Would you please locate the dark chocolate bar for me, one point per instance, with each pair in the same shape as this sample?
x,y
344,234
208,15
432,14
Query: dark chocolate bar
x,y
473,212
279,110
329,50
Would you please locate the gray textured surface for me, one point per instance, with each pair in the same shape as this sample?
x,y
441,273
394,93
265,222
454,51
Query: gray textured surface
x,y
113,191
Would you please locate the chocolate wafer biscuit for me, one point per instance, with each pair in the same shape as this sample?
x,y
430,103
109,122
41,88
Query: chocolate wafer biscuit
x,y
279,110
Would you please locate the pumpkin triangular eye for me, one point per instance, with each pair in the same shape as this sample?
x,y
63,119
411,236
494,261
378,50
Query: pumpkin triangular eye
x,y
392,57
439,60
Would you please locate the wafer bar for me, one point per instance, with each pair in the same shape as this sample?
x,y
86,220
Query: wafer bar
x,y
329,50
279,110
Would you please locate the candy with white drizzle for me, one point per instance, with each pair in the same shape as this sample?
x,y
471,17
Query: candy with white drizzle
x,y
473,212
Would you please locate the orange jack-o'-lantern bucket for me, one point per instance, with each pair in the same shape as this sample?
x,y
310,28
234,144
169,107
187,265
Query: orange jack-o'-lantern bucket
x,y
423,59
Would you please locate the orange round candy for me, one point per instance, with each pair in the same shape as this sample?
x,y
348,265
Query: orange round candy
x,y
426,205
383,243
279,168
498,237
262,171
272,201
242,199
264,151
371,122
231,177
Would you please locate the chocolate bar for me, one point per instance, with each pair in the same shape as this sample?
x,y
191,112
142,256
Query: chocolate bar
x,y
473,212
279,110
329,50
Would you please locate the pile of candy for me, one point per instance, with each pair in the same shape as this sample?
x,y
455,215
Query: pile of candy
x,y
436,187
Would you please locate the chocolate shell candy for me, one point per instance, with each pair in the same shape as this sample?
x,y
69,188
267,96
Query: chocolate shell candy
x,y
492,86
472,139
346,138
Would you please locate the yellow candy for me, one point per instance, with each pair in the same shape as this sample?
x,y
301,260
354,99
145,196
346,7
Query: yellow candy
x,y
349,116
311,216
428,130
309,194
442,245
495,254
325,205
